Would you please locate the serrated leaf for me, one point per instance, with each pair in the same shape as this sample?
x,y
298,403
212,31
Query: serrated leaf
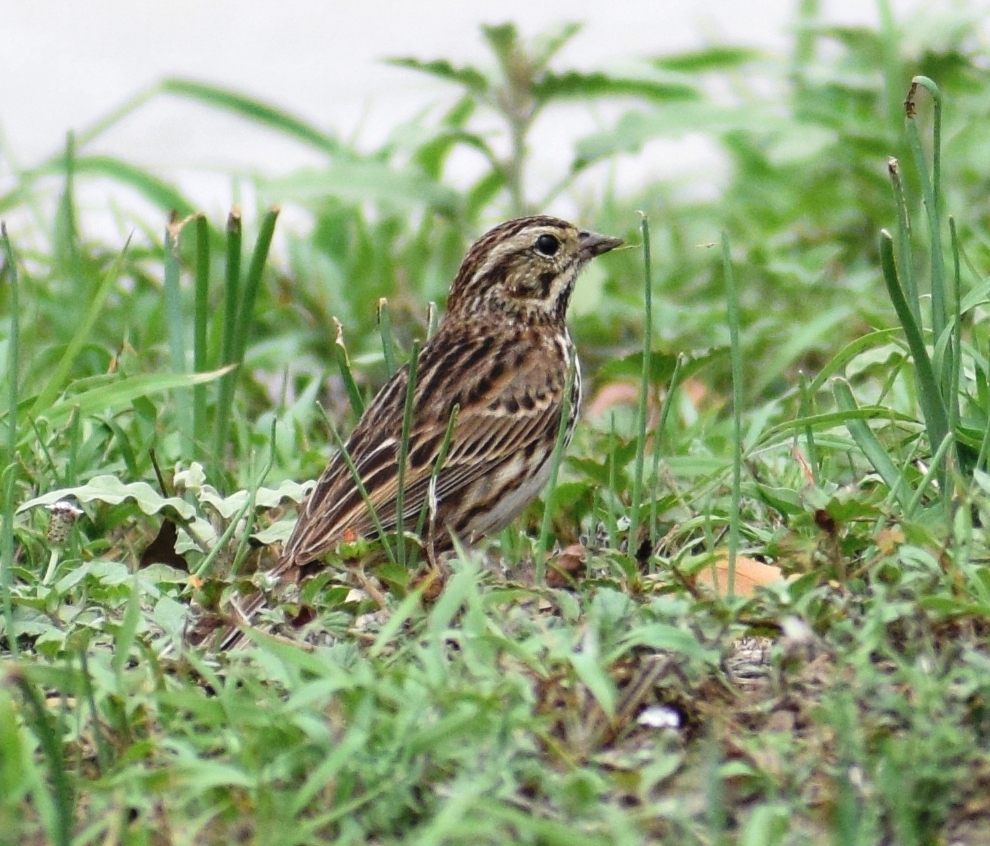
x,y
111,573
471,78
547,44
711,59
575,84
503,39
112,491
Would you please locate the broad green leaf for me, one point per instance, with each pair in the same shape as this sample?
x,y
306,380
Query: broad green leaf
x,y
112,491
170,615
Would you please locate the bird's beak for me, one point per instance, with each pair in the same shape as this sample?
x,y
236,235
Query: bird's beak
x,y
591,244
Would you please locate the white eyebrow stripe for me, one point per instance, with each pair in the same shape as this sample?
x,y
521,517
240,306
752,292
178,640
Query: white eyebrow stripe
x,y
517,243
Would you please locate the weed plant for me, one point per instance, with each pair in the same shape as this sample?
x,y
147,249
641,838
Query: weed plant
x,y
814,395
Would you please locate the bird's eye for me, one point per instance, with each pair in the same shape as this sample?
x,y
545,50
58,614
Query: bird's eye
x,y
547,245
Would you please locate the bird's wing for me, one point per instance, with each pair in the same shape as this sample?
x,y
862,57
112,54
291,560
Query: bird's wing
x,y
509,396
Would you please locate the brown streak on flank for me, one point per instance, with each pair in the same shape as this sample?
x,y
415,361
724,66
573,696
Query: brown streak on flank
x,y
350,501
374,461
436,377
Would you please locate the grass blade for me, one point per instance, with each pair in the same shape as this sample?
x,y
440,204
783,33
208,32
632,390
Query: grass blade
x,y
953,389
251,109
200,328
359,483
248,512
430,501
657,440
868,442
228,342
158,192
904,238
407,413
644,393
344,365
58,380
555,461
929,395
929,476
930,188
732,297
239,311
106,393
232,285
58,770
252,282
385,330
9,475
173,313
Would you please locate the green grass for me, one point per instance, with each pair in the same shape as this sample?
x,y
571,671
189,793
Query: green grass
x,y
815,395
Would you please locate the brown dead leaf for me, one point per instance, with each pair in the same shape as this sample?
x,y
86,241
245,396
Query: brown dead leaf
x,y
612,395
750,574
889,539
567,566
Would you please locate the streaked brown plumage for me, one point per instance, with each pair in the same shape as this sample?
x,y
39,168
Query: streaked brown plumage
x,y
502,354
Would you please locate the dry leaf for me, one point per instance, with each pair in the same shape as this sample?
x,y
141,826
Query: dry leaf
x,y
750,574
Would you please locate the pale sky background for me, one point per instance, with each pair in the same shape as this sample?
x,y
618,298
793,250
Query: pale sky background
x,y
65,64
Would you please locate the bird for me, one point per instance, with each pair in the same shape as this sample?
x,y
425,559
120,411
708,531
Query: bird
x,y
503,356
